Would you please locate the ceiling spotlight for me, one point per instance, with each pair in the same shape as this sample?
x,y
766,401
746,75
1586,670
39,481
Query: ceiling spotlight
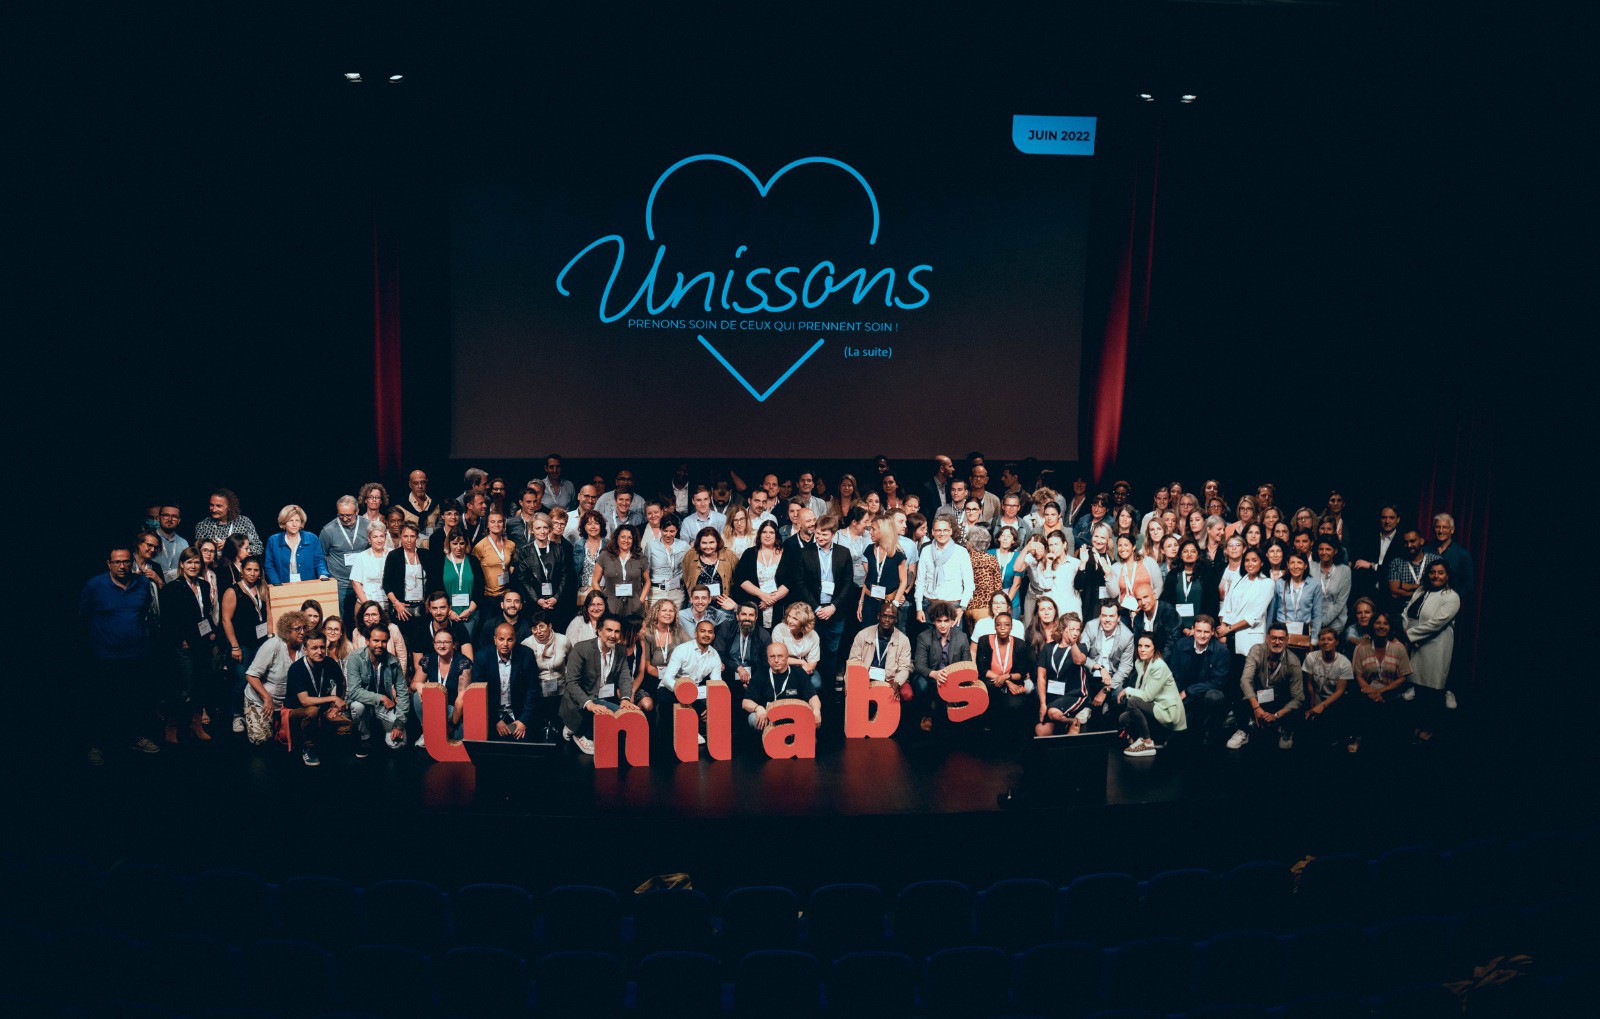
x,y
1187,98
395,79
353,77
1147,97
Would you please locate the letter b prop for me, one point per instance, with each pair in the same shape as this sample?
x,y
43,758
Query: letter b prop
x,y
870,709
964,691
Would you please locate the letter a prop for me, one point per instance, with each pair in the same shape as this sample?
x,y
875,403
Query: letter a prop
x,y
793,732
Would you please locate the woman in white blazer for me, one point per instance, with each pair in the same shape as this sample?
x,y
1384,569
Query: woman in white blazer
x,y
1430,622
1247,605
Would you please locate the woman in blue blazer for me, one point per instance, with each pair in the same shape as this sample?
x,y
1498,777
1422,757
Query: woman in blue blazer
x,y
294,553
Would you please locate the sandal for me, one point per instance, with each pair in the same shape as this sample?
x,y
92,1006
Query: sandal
x,y
1353,746
1073,727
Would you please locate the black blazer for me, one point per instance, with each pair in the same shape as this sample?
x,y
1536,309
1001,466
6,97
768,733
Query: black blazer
x,y
1021,657
801,572
524,683
181,614
929,493
1202,593
925,653
746,570
532,574
1167,627
394,575
727,645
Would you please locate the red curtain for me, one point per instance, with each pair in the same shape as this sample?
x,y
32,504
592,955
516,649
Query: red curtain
x,y
1456,479
1128,312
386,338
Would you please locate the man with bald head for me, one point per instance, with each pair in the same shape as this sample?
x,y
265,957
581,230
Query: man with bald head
x,y
778,681
512,678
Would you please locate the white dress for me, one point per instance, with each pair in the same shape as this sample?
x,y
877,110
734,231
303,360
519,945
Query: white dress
x,y
1249,601
1435,628
767,580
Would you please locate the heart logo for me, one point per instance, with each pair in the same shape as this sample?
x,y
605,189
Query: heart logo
x,y
762,187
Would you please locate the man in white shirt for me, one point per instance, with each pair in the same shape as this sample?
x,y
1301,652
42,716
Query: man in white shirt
x,y
857,538
1109,646
557,491
805,487
1327,675
588,498
700,610
694,662
760,508
622,511
944,573
606,503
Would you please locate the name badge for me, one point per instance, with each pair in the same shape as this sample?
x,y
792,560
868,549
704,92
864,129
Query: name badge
x,y
715,589
205,628
350,559
606,692
501,578
1296,629
827,587
294,578
460,601
1129,602
1185,610
1102,593
877,675
261,631
169,575
1056,687
546,591
1266,696
878,591
701,694
623,590
548,686
769,586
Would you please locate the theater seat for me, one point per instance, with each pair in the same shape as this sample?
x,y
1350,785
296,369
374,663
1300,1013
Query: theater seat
x,y
1060,979
845,918
1257,896
757,918
144,900
311,964
322,909
1334,889
966,983
477,981
1479,872
582,918
94,966
1017,913
494,916
866,985
1326,1006
1153,973
578,984
777,985
1182,903
410,913
235,905
671,920
1241,966
190,972
1330,959
933,915
1425,1001
390,979
1412,950
1102,908
1407,881
674,984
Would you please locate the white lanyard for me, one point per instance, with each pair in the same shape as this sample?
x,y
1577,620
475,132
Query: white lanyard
x,y
497,550
461,573
256,600
349,536
1416,572
1293,595
1058,658
1188,582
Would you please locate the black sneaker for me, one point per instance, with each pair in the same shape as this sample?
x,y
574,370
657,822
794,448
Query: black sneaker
x,y
363,749
310,757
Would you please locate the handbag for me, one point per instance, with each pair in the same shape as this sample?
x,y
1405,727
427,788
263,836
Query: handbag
x,y
257,727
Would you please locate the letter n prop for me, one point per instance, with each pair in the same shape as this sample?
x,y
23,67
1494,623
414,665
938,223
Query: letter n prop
x,y
964,692
870,709
609,730
436,710
792,732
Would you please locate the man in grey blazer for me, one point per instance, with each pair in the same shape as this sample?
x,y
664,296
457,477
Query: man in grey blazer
x,y
1109,645
596,675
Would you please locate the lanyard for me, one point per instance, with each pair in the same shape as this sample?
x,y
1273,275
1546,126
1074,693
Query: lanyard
x,y
461,574
882,653
497,550
1294,594
1058,658
1188,582
349,536
255,600
1416,571
1002,663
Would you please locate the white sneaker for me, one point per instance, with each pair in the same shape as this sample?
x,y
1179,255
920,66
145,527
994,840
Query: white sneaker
x,y
1450,699
388,741
586,745
419,744
1410,694
238,723
1286,741
702,740
1140,748
566,733
1238,739
1083,717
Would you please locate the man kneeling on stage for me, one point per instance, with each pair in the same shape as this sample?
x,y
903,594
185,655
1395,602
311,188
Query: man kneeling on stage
x,y
596,671
775,683
376,692
695,663
313,686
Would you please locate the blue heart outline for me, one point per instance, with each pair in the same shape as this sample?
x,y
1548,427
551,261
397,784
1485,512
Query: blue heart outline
x,y
761,189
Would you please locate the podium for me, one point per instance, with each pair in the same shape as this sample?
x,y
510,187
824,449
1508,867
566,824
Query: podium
x,y
282,598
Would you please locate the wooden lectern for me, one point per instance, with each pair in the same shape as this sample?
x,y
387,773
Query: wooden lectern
x,y
283,597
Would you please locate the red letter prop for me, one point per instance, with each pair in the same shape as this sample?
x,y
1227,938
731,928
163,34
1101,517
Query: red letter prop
x,y
436,711
610,727
719,720
964,691
686,721
793,732
870,708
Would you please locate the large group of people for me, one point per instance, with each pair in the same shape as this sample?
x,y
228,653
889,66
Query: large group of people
x,y
1233,620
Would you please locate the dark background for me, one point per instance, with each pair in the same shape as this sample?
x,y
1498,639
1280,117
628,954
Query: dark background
x,y
1342,270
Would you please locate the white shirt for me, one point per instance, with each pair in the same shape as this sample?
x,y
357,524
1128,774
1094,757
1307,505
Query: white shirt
x,y
1249,601
945,574
693,663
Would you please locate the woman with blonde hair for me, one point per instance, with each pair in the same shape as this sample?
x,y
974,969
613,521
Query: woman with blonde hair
x,y
846,498
294,554
798,633
737,536
1245,514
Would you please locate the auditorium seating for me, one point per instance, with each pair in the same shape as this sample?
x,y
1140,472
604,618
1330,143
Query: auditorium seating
x,y
1342,935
